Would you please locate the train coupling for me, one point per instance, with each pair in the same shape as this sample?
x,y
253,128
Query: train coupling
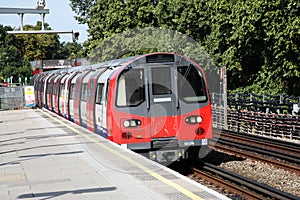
x,y
167,155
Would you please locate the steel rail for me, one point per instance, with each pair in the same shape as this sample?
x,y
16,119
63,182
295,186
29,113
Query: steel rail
x,y
239,141
240,181
283,146
239,152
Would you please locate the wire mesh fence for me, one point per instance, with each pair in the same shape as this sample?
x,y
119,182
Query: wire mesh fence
x,y
11,96
268,115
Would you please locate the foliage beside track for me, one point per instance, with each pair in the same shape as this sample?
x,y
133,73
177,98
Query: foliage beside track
x,y
257,40
17,50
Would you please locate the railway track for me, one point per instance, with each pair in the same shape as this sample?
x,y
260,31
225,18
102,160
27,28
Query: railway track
x,y
287,155
235,183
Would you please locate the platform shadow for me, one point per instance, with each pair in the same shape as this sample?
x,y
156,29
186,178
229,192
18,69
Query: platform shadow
x,y
217,157
50,195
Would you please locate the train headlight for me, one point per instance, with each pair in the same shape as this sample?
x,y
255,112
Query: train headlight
x,y
126,123
130,123
198,119
193,119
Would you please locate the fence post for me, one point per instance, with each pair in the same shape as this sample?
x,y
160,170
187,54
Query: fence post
x,y
251,102
280,104
224,81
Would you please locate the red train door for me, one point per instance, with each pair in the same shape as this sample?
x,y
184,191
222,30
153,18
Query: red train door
x,y
77,97
59,87
163,105
52,92
91,100
69,93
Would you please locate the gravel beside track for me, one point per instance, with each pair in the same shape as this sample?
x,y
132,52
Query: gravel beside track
x,y
267,174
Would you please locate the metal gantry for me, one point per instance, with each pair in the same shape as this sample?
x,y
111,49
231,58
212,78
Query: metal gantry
x,y
38,10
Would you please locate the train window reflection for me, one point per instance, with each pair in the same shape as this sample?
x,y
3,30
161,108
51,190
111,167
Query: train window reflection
x,y
191,87
84,92
131,88
71,91
99,93
161,81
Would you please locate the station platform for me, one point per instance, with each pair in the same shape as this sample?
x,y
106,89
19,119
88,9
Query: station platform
x,y
43,156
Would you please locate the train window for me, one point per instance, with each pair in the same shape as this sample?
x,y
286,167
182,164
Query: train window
x,y
161,81
99,93
159,58
84,92
61,89
53,89
41,86
71,91
191,87
47,88
50,88
131,88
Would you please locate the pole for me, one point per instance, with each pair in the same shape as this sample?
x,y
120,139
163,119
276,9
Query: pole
x,y
21,19
43,21
224,80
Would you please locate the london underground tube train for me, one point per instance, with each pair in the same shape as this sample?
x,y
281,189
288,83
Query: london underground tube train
x,y
156,103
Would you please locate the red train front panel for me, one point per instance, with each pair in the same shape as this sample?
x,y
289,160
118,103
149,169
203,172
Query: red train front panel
x,y
159,105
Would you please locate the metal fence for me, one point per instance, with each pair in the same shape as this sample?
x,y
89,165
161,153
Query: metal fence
x,y
276,116
218,111
11,96
279,104
267,124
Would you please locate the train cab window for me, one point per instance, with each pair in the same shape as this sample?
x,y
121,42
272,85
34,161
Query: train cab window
x,y
71,91
131,88
161,81
191,87
84,91
99,93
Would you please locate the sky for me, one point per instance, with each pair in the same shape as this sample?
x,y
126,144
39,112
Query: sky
x,y
60,17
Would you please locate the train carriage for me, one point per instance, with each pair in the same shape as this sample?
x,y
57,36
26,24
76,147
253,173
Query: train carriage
x,y
156,103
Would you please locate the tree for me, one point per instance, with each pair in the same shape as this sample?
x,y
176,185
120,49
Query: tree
x,y
72,50
17,50
258,41
11,61
39,46
82,8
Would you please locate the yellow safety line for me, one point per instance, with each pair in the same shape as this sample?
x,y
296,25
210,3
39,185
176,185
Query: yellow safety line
x,y
137,164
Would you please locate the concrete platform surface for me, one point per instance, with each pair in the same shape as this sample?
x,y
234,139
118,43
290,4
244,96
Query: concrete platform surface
x,y
43,156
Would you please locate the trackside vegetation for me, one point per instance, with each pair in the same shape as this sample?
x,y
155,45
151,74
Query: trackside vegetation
x,y
258,41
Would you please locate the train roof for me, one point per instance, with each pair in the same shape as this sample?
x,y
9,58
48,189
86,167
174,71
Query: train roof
x,y
149,58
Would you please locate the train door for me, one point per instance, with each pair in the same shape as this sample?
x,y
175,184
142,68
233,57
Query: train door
x,y
73,94
100,114
55,95
44,90
94,97
37,87
85,95
80,95
62,96
49,91
163,105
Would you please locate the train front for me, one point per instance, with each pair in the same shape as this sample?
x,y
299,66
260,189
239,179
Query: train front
x,y
159,104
